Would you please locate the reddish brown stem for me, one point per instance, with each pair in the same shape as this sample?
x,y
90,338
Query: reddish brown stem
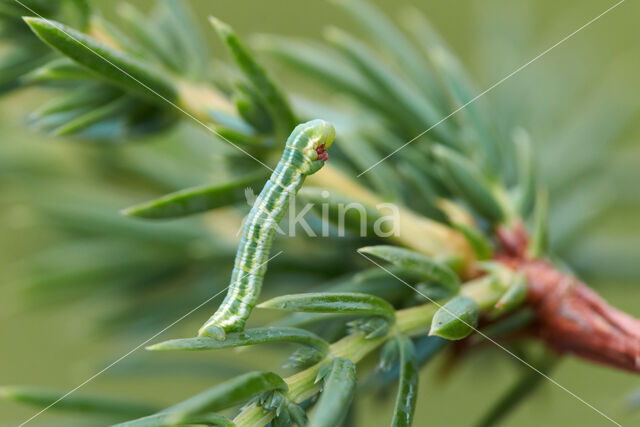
x,y
572,318
569,316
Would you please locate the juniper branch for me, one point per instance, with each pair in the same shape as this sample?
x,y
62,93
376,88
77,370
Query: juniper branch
x,y
410,321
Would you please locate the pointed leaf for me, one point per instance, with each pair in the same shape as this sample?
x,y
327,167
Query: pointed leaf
x,y
87,96
456,319
385,34
107,33
408,388
250,140
230,393
150,37
468,181
164,419
195,200
337,394
479,243
273,99
58,69
115,66
538,245
337,302
297,414
251,108
421,188
95,116
417,112
526,186
315,62
457,84
428,267
182,25
74,402
374,281
247,337
514,296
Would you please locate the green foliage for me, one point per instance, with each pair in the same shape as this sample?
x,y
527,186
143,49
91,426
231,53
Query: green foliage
x,y
526,188
381,30
429,268
408,387
339,383
319,347
170,38
118,93
359,220
76,403
167,419
135,71
388,355
468,182
228,394
425,347
325,302
413,108
24,52
224,395
514,296
268,92
113,85
317,63
285,412
195,200
120,69
479,243
456,319
539,239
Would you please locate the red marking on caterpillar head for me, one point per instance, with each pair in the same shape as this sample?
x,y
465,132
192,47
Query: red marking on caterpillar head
x,y
322,153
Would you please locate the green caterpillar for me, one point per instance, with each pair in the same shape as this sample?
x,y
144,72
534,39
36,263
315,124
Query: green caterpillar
x,y
304,154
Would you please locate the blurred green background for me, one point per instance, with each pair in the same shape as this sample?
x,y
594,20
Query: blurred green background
x,y
59,347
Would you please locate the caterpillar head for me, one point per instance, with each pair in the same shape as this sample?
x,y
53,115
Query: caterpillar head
x,y
313,139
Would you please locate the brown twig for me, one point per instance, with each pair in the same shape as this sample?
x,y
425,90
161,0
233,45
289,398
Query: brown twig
x,y
569,316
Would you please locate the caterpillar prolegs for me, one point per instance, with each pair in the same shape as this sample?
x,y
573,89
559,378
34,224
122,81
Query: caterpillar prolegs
x,y
304,154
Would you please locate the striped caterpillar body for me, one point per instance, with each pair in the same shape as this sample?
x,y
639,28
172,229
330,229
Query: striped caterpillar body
x,y
304,154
